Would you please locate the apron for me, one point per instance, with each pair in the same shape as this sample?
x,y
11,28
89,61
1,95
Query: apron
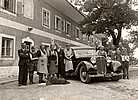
x,y
53,69
68,63
42,63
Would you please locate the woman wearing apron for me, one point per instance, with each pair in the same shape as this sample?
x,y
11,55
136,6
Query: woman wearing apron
x,y
53,62
101,60
42,64
68,59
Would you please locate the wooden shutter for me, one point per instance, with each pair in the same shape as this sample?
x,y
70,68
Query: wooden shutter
x,y
20,7
1,3
29,9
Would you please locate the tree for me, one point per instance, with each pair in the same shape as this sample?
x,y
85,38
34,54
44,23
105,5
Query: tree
x,y
134,37
106,16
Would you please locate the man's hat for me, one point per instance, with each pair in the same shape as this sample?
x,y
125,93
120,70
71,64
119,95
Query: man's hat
x,y
22,43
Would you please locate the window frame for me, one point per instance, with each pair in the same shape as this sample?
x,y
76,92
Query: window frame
x,y
13,47
56,28
67,22
44,9
77,35
13,13
63,25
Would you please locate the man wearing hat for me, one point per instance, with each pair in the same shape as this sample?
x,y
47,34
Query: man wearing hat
x,y
125,63
23,60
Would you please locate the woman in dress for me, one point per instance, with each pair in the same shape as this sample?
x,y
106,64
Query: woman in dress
x,y
42,64
101,60
53,62
68,59
33,63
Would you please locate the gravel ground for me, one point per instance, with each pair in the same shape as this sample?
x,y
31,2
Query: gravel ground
x,y
121,90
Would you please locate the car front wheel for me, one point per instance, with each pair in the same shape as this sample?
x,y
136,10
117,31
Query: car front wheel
x,y
84,76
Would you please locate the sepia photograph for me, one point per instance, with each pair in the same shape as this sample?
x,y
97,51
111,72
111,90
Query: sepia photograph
x,y
68,49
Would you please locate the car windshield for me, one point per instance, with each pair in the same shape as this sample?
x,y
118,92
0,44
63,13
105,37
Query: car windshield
x,y
84,52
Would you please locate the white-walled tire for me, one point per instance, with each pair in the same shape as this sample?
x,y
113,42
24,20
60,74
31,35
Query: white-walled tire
x,y
83,74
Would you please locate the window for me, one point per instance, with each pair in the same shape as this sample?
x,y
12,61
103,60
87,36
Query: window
x,y
77,33
9,5
63,25
45,18
7,46
68,28
58,23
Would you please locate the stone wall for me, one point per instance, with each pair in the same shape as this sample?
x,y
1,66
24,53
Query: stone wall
x,y
8,71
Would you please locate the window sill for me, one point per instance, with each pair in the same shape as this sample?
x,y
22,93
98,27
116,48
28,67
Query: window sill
x,y
7,58
48,27
57,30
8,12
68,35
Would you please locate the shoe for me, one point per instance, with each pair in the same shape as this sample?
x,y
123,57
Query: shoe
x,y
42,81
24,84
30,83
19,84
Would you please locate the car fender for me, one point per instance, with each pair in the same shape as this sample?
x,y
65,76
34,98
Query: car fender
x,y
86,63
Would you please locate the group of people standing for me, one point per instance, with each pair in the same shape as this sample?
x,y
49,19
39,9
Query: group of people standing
x,y
119,54
49,62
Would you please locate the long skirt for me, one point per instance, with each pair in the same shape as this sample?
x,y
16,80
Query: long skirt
x,y
42,65
68,65
53,69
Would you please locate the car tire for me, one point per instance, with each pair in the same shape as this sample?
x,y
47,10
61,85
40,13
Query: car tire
x,y
83,74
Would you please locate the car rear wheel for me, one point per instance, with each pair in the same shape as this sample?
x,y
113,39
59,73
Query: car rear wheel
x,y
84,76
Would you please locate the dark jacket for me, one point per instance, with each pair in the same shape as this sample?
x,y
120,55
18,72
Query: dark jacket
x,y
61,56
24,57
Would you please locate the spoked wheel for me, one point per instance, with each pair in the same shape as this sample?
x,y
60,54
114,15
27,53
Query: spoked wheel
x,y
84,76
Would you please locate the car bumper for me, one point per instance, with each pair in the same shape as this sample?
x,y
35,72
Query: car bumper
x,y
107,75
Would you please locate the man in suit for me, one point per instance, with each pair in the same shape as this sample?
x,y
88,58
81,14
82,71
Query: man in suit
x,y
125,63
23,61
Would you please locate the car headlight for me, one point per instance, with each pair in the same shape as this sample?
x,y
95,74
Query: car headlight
x,y
108,64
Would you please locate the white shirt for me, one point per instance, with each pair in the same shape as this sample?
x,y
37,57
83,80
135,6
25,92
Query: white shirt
x,y
125,58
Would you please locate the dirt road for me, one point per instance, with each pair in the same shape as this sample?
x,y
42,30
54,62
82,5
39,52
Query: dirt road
x,y
121,90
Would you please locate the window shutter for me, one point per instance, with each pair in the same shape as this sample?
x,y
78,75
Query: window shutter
x,y
29,9
20,7
1,3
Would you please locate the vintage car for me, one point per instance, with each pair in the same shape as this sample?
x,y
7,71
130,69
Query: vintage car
x,y
87,64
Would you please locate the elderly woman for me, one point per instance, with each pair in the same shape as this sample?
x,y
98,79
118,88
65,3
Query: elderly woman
x,y
53,62
42,63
